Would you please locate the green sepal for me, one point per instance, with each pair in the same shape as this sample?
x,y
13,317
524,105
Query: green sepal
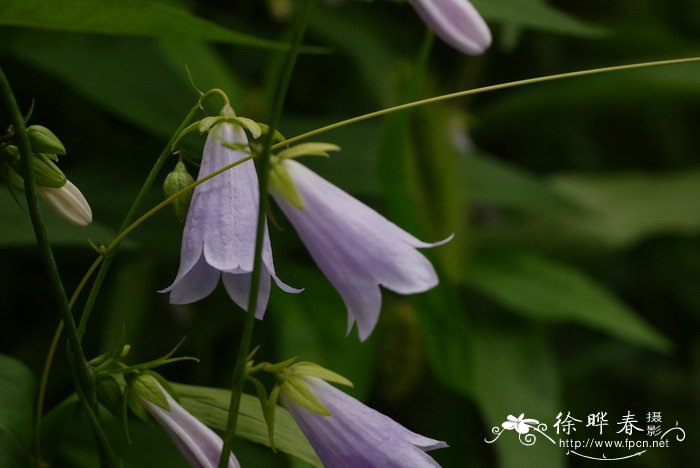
x,y
268,411
308,149
43,140
109,394
274,368
175,181
277,136
251,125
145,386
296,388
282,183
314,370
46,172
207,123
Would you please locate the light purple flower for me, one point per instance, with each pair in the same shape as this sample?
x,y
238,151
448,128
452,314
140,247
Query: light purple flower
x,y
355,435
355,247
456,22
219,235
200,446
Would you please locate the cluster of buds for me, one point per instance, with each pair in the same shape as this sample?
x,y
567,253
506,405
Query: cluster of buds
x,y
53,187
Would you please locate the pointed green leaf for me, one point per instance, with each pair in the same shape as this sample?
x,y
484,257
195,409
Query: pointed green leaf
x,y
548,290
142,18
298,390
210,405
282,182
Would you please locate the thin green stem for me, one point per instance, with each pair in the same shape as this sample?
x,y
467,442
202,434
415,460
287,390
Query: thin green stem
x,y
84,382
263,171
485,89
46,370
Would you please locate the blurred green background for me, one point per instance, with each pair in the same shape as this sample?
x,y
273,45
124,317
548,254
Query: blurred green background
x,y
572,282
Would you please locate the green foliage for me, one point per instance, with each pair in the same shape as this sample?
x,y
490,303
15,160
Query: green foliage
x,y
546,290
17,387
210,405
142,18
571,282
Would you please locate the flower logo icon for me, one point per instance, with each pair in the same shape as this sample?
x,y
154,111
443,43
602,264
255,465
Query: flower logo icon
x,y
521,425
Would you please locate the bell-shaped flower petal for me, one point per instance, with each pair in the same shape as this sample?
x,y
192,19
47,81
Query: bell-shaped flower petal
x,y
457,23
355,247
200,446
355,435
219,235
68,202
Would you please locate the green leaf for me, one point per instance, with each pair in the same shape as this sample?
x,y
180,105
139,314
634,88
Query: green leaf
x,y
534,14
141,18
625,208
500,183
544,289
17,389
210,405
515,373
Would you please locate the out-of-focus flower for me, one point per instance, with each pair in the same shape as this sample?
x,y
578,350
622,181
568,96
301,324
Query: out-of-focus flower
x,y
67,202
457,23
356,248
219,235
354,434
200,446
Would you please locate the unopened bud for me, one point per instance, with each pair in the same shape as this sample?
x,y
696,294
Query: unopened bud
x,y
174,182
43,140
109,394
68,203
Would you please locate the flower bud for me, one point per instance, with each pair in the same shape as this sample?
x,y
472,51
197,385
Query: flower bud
x,y
44,141
174,182
46,172
109,394
68,203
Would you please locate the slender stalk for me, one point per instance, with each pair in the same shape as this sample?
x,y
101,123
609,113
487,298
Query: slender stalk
x,y
84,382
247,335
485,89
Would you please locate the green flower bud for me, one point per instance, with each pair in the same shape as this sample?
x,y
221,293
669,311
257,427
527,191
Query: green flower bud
x,y
109,394
178,179
44,141
146,386
47,173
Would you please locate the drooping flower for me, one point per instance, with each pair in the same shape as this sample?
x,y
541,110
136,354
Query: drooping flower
x,y
457,23
354,246
67,202
200,446
354,434
219,235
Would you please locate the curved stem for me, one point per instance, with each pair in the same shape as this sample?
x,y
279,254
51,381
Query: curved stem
x,y
485,89
247,334
84,383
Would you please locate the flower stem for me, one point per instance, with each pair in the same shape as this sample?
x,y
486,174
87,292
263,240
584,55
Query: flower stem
x,y
485,89
84,383
247,334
